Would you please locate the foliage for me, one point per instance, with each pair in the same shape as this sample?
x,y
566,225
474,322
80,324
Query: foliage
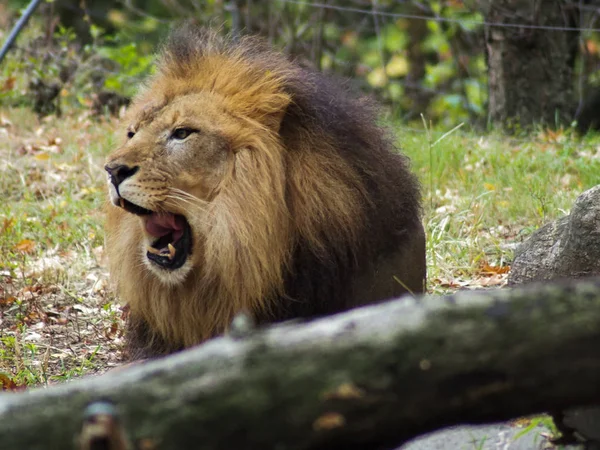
x,y
50,74
379,53
414,66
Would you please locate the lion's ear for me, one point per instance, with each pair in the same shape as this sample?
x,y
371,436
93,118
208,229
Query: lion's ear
x,y
268,109
274,117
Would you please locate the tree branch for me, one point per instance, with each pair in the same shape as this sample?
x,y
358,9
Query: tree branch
x,y
370,378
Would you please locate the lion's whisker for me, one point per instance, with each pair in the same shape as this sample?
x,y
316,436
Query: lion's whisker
x,y
175,202
186,201
188,195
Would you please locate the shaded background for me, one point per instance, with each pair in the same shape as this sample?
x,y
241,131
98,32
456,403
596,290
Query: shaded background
x,y
509,62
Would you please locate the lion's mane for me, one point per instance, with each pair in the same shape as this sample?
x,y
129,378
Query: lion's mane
x,y
316,206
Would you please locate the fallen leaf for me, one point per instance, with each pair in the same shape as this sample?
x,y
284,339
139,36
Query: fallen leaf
x,y
9,84
111,333
7,224
42,156
329,421
486,269
494,280
25,246
8,384
4,122
345,391
7,301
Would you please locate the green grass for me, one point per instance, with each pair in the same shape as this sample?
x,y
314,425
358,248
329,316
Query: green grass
x,y
483,194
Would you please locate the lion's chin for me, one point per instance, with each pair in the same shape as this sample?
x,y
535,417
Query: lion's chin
x,y
171,278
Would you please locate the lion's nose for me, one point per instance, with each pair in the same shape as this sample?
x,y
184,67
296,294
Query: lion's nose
x,y
119,173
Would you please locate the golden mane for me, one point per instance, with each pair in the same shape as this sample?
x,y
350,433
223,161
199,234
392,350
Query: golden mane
x,y
315,200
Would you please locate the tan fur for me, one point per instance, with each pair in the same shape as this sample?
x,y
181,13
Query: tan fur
x,y
248,196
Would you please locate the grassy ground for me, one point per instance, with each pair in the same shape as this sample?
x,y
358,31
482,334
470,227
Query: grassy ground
x,y
485,194
58,320
482,195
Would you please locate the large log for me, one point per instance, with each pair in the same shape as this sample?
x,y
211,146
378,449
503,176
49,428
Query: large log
x,y
371,378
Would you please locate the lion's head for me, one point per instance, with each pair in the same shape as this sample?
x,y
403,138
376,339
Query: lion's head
x,y
239,174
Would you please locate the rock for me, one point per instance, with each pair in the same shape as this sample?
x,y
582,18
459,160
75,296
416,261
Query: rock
x,y
485,437
566,248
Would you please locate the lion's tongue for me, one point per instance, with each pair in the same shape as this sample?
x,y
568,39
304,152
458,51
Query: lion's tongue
x,y
159,225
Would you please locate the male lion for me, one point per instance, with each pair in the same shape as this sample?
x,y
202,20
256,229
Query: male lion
x,y
247,183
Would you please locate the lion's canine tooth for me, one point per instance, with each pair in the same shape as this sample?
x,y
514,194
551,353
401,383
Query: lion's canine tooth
x,y
171,251
122,203
153,250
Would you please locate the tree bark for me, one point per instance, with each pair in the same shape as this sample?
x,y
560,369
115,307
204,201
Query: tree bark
x,y
530,70
371,378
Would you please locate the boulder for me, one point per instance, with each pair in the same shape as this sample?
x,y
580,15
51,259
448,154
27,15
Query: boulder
x,y
566,248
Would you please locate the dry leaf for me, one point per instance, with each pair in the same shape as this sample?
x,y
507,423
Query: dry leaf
x,y
494,280
42,156
8,384
7,224
345,391
9,84
486,269
25,246
4,122
329,421
111,333
7,301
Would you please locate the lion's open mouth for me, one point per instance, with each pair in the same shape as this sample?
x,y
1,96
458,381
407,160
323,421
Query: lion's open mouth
x,y
173,241
171,232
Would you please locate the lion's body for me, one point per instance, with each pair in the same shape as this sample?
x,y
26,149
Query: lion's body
x,y
297,203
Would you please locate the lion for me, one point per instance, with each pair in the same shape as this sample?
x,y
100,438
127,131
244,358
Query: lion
x,y
247,183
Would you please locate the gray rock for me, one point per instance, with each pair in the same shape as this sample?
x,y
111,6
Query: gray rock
x,y
488,437
566,248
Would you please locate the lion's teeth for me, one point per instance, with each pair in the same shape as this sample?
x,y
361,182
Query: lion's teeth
x,y
153,250
169,252
122,203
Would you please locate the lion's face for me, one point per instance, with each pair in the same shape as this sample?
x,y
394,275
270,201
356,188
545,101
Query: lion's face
x,y
170,168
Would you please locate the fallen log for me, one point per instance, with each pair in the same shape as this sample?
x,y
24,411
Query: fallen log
x,y
371,378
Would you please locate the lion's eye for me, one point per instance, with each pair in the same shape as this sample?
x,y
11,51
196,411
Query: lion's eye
x,y
181,133
130,134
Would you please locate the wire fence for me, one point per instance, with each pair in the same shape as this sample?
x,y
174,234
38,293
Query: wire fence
x,y
376,12
303,31
586,13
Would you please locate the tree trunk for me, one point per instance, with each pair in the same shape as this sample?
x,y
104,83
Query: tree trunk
x,y
370,378
417,32
530,69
